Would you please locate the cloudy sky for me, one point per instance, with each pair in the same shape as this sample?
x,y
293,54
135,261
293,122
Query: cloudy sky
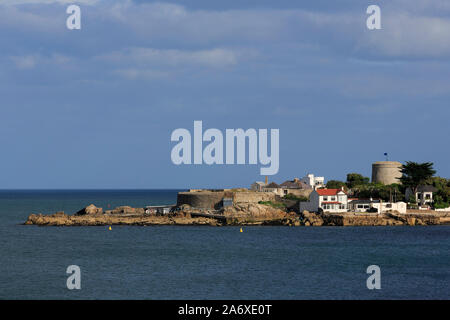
x,y
95,108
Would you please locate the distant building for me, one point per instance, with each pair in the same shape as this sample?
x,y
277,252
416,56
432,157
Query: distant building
x,y
294,187
274,188
295,184
423,196
314,182
258,186
327,200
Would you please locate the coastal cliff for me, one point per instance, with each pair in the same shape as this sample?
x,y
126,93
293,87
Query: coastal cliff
x,y
236,215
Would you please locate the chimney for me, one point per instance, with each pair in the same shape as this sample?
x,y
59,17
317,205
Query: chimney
x,y
267,180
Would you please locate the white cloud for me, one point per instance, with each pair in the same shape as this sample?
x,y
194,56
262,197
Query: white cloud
x,y
408,36
30,61
24,62
158,57
147,74
407,33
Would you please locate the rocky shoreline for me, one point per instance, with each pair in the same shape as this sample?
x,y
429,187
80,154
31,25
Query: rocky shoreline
x,y
237,215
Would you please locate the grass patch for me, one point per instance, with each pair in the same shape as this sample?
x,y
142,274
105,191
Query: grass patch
x,y
276,205
290,196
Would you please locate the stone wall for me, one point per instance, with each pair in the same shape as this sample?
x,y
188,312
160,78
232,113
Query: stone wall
x,y
300,192
253,197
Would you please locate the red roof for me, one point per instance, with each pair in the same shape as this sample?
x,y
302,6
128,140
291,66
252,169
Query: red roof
x,y
328,192
331,202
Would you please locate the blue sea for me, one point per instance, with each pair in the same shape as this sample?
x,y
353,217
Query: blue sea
x,y
175,262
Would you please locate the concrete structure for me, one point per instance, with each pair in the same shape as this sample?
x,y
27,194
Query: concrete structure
x,y
366,205
216,199
327,200
424,194
204,199
386,172
314,182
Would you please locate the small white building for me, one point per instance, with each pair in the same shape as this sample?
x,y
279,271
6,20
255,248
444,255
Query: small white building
x,y
314,182
366,205
328,200
424,194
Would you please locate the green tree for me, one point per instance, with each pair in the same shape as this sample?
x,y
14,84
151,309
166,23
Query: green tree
x,y
379,191
335,184
356,179
414,174
442,196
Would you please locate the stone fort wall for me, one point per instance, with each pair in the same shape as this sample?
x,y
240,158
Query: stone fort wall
x,y
253,197
213,199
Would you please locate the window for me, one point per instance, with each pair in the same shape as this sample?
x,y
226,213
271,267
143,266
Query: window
x,y
325,198
333,198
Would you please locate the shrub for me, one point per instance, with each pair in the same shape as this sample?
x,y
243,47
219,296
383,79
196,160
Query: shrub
x,y
441,205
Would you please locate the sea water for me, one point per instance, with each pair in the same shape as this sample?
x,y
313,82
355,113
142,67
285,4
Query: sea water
x,y
190,262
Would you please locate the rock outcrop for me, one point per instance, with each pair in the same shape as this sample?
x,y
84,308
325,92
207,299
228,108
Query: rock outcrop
x,y
311,219
126,210
102,220
239,214
90,210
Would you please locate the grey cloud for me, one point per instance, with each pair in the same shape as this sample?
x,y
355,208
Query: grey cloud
x,y
406,32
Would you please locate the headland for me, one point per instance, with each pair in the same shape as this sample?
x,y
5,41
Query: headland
x,y
233,207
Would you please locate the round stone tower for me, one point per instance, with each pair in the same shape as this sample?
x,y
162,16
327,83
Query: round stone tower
x,y
386,172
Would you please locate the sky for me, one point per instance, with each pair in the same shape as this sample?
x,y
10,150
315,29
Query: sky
x,y
95,108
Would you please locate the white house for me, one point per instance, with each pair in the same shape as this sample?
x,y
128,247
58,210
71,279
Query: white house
x,y
328,200
424,194
364,205
314,182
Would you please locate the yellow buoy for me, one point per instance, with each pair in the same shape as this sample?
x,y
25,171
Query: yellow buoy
x,y
109,228
241,230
